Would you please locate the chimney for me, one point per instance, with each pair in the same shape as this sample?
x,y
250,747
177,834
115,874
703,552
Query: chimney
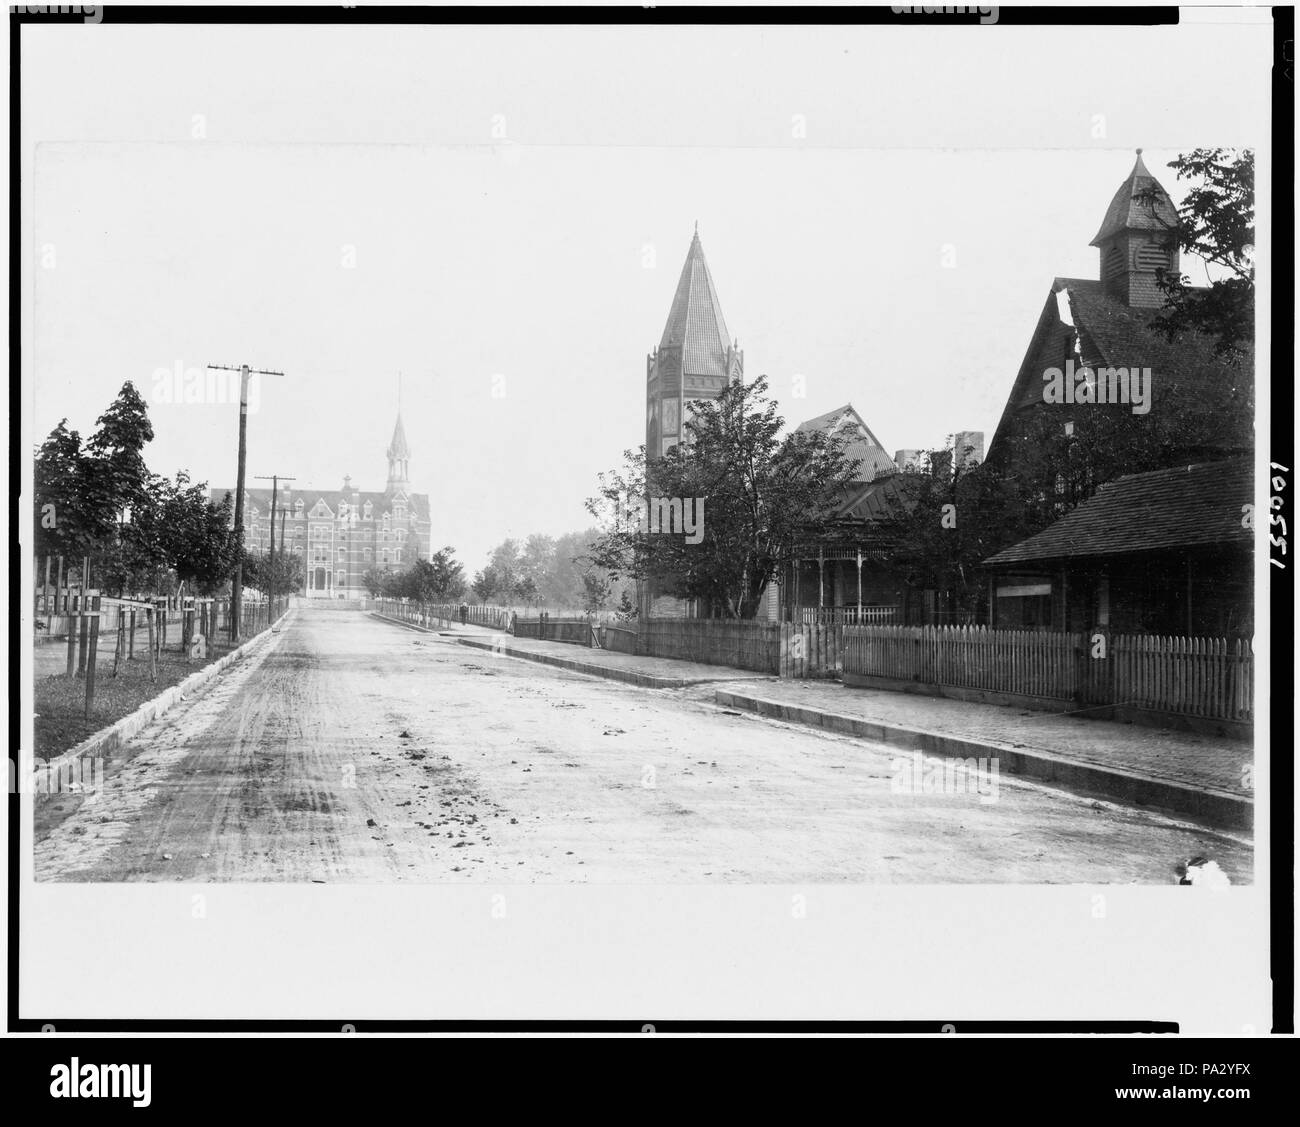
x,y
907,459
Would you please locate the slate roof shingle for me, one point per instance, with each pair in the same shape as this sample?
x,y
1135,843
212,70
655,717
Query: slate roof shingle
x,y
1131,208
695,320
1184,507
864,451
1113,334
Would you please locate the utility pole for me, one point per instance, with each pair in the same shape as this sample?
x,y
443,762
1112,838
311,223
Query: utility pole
x,y
274,479
237,583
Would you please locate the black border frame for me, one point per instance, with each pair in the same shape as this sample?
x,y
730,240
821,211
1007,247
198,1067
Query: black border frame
x,y
1281,443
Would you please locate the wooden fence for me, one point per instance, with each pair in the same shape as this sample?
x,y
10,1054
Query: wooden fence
x,y
845,616
776,649
1018,662
575,630
443,614
1211,678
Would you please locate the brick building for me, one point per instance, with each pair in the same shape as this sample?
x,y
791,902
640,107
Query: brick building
x,y
343,533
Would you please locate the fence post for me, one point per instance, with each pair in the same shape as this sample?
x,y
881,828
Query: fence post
x,y
83,625
72,645
90,669
120,640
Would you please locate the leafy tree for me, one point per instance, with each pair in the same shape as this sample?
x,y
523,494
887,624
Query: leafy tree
x,y
595,591
287,576
536,558
63,527
1217,224
762,492
439,579
198,542
115,476
490,583
377,582
527,592
626,611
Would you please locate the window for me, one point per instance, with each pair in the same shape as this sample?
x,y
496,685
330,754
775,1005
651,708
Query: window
x,y
397,556
1152,256
367,553
343,553
399,512
385,557
366,511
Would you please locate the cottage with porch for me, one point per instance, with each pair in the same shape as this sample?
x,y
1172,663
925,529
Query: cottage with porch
x,y
1168,552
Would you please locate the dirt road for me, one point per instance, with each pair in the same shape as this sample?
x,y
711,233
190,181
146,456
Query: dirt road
x,y
352,750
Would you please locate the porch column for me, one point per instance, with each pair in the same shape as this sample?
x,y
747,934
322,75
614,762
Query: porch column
x,y
859,588
821,579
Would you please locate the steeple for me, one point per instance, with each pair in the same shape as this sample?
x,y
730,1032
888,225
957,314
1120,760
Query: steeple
x,y
1138,236
695,320
696,357
399,455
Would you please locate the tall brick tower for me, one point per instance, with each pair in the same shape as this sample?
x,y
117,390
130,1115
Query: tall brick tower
x,y
1138,237
695,359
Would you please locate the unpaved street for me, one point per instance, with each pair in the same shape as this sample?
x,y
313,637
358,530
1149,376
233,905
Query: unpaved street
x,y
354,750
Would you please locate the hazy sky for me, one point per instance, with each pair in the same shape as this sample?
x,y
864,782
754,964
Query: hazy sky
x,y
342,206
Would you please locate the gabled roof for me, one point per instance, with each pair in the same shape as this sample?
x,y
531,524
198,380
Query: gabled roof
x,y
1112,333
862,449
1135,208
1185,507
695,320
417,503
875,501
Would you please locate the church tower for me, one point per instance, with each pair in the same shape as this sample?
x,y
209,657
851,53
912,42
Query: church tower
x,y
696,357
399,456
1138,237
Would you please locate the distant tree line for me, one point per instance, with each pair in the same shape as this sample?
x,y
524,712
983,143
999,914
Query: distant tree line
x,y
439,579
553,571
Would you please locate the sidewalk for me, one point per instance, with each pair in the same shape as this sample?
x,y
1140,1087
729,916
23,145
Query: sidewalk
x,y
1181,771
647,672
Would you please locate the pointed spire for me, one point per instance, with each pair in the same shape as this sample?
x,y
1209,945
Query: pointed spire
x,y
695,322
398,448
1140,203
399,453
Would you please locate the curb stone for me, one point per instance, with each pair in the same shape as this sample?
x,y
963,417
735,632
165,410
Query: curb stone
x,y
591,669
1222,808
130,725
